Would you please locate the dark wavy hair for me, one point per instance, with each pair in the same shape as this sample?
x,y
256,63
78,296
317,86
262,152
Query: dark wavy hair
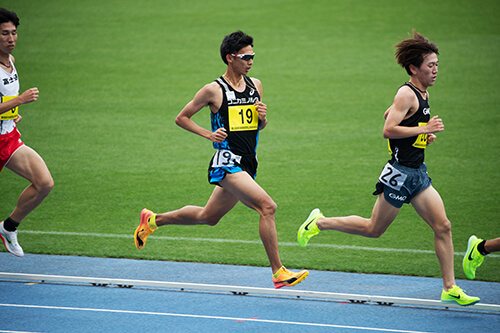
x,y
234,42
8,16
411,51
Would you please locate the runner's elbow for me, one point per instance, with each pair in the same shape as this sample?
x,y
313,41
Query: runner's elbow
x,y
178,121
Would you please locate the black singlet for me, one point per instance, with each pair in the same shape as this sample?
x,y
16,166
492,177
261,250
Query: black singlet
x,y
410,151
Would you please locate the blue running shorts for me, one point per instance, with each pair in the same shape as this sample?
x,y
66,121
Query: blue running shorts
x,y
401,184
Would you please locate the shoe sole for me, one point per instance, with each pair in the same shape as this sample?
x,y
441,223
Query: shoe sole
x,y
451,301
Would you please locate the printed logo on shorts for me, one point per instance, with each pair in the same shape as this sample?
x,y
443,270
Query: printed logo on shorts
x,y
397,197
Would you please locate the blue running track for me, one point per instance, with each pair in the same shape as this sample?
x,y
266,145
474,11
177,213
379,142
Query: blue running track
x,y
31,306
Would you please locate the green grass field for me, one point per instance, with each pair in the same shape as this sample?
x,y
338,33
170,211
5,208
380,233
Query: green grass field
x,y
114,74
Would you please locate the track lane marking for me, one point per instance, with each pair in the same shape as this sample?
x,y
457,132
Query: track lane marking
x,y
184,315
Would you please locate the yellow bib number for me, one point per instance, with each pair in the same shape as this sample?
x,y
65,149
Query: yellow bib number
x,y
243,118
11,114
421,141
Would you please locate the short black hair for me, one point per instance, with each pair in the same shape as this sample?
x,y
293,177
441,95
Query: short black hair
x,y
234,42
8,16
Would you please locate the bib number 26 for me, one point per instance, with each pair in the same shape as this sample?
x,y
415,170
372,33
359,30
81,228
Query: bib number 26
x,y
392,177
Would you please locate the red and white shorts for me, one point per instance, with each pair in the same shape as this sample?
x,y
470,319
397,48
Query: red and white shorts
x,y
9,144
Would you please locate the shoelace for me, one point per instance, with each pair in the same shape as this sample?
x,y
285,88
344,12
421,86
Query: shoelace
x,y
460,291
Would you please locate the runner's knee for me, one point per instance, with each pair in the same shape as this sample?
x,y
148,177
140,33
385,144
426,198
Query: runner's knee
x,y
374,233
371,230
268,207
442,228
44,184
210,220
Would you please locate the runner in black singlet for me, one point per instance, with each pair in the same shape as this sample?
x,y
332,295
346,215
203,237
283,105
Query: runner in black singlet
x,y
238,115
404,178
410,151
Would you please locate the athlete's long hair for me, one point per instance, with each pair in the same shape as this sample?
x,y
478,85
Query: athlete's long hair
x,y
411,51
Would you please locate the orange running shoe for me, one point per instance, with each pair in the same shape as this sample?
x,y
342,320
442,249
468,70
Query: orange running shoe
x,y
285,278
147,226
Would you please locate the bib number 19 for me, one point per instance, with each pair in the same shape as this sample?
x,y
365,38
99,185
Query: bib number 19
x,y
243,118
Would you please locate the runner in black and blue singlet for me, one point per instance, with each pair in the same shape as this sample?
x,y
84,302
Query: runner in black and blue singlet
x,y
239,117
237,114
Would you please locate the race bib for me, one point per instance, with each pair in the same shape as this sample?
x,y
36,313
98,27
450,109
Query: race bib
x,y
392,177
11,114
421,141
225,158
243,118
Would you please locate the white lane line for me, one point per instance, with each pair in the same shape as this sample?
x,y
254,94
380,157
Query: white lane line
x,y
3,331
205,317
238,241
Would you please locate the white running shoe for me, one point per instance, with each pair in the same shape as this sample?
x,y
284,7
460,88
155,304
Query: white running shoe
x,y
9,239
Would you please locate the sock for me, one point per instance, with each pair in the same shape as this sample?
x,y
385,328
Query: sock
x,y
481,249
152,223
10,225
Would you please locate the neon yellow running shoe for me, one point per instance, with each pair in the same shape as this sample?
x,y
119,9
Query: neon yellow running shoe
x,y
284,278
472,259
309,227
147,226
457,295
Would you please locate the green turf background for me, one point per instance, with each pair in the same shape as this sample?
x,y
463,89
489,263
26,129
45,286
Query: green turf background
x,y
114,74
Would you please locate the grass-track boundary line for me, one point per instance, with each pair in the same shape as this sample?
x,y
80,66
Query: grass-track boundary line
x,y
237,241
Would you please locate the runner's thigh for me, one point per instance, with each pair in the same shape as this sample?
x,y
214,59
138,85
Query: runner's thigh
x,y
429,205
219,204
243,187
28,164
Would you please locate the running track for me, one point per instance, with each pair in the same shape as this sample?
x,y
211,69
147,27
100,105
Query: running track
x,y
30,306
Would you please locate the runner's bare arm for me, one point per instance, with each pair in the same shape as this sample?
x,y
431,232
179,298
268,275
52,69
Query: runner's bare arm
x,y
204,97
404,103
28,96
